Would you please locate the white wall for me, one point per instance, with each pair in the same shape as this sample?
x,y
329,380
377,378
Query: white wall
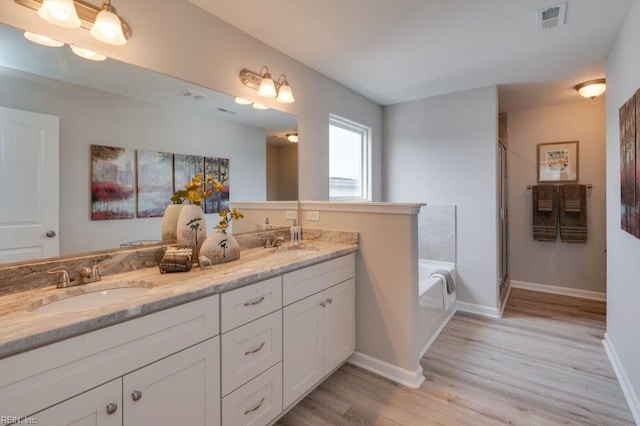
x,y
442,150
623,250
92,117
181,40
576,266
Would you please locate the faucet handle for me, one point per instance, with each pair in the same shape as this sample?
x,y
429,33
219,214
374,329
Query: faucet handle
x,y
95,271
63,279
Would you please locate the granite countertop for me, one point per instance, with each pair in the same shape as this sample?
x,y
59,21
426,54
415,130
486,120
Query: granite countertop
x,y
22,330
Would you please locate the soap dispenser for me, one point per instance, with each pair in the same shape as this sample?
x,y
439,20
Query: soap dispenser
x,y
295,234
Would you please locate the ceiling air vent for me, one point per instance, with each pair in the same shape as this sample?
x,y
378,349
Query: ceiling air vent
x,y
551,17
192,94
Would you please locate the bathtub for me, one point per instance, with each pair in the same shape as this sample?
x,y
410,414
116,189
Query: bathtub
x,y
432,291
435,306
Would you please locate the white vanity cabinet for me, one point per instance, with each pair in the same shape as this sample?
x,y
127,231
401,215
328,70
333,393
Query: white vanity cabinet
x,y
170,356
175,390
319,329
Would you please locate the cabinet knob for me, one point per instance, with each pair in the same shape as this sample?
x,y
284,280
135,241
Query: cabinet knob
x,y
112,408
330,300
50,233
323,304
136,395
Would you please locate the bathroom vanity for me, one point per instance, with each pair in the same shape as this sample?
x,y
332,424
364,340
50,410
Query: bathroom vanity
x,y
237,344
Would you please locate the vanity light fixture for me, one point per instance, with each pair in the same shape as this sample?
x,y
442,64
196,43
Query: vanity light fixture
x,y
59,12
592,88
107,27
103,22
292,137
265,85
43,40
87,54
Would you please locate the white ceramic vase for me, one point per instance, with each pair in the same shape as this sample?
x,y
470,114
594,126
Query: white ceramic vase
x,y
220,247
191,227
170,223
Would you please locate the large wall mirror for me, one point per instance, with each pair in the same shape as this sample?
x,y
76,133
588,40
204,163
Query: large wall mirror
x,y
115,104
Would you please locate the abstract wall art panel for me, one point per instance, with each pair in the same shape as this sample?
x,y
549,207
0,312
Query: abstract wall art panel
x,y
112,183
154,182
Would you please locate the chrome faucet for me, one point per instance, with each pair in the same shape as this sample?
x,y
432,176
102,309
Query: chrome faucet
x,y
275,242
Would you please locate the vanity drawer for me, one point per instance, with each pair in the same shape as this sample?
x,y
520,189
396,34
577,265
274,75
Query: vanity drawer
x,y
245,304
304,282
258,402
251,349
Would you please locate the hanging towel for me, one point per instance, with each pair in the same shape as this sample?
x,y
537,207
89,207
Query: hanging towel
x,y
572,202
573,221
545,222
451,286
546,197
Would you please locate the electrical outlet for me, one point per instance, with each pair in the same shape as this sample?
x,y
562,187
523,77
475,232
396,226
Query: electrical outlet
x,y
313,215
291,214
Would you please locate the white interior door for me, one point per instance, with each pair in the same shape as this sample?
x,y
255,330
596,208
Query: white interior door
x,y
28,185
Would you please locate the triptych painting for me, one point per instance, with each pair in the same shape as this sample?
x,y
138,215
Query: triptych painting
x,y
630,165
127,183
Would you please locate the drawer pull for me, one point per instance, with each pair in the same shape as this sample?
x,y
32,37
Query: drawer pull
x,y
136,395
251,410
253,351
112,408
254,302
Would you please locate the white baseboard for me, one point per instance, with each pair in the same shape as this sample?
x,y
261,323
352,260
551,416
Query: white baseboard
x,y
627,389
564,291
438,331
410,379
472,308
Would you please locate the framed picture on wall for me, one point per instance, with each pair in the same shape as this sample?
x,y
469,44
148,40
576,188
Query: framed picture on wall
x,y
558,162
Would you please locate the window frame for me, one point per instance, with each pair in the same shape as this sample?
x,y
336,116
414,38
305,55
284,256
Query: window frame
x,y
365,165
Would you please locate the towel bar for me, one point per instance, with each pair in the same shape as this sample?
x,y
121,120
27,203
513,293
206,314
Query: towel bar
x,y
589,186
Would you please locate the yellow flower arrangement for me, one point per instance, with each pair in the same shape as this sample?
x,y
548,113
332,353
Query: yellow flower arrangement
x,y
197,190
227,216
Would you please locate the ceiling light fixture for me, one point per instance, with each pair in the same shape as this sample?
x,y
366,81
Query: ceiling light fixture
x,y
292,137
59,12
107,28
103,22
265,85
592,88
260,106
87,54
43,40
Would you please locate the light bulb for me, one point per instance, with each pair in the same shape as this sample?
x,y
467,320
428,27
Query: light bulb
x,y
87,54
60,12
43,40
107,27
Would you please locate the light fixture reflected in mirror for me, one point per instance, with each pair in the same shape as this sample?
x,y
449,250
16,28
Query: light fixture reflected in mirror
x,y
243,101
107,28
592,88
87,54
260,106
60,12
292,137
43,40
265,85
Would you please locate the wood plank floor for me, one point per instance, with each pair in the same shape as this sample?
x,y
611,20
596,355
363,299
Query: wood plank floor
x,y
543,363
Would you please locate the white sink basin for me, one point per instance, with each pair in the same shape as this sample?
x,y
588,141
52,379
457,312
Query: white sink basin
x,y
289,252
86,300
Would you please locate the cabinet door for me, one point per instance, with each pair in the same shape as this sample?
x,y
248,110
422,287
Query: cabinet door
x,y
303,351
182,389
101,406
340,323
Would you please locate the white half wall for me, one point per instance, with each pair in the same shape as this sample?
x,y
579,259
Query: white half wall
x,y
443,150
623,249
205,50
568,265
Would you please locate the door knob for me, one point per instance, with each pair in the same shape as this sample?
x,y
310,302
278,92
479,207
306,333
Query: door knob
x,y
50,233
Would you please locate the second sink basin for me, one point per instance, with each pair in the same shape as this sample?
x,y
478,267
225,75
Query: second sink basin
x,y
91,298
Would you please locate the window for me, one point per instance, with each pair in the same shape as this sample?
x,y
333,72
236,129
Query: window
x,y
349,163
